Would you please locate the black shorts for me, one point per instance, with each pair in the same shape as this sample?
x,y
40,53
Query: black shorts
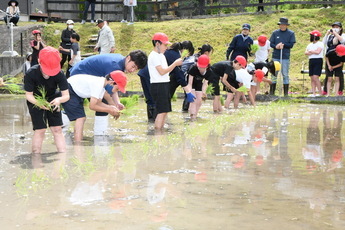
x,y
233,83
338,72
41,119
160,93
315,66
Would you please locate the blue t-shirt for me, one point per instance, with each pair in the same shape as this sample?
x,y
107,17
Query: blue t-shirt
x,y
287,37
99,65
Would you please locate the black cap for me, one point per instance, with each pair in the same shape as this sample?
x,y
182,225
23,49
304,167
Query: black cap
x,y
98,21
9,3
283,21
246,26
337,24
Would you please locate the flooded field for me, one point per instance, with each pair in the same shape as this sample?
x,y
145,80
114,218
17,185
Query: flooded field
x,y
273,167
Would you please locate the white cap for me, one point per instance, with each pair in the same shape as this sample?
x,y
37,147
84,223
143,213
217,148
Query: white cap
x,y
69,22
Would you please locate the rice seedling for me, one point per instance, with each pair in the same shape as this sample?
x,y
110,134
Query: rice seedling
x,y
184,53
210,89
14,88
42,99
254,48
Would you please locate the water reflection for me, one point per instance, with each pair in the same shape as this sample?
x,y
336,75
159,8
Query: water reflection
x,y
274,168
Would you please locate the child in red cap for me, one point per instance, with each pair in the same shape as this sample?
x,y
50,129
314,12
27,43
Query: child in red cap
x,y
198,76
159,77
315,53
89,86
335,59
47,76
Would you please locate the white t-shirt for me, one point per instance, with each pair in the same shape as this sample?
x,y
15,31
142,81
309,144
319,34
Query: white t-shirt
x,y
87,86
155,59
262,54
315,46
244,77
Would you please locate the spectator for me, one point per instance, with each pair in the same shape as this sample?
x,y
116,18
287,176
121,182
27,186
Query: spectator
x,y
261,8
332,39
87,4
106,41
240,44
12,13
74,52
334,66
27,63
282,40
37,44
128,4
66,42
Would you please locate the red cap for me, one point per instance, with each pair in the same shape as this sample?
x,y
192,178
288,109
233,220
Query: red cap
x,y
36,32
120,79
315,33
49,59
262,40
259,74
203,61
162,37
242,60
340,50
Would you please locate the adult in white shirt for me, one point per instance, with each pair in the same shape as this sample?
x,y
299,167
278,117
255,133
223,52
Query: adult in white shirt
x,y
106,40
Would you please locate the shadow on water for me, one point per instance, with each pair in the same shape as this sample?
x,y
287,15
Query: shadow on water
x,y
275,166
32,161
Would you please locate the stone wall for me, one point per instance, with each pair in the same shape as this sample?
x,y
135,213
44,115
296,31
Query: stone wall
x,y
11,65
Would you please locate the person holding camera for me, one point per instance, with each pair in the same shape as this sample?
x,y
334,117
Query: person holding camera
x,y
332,39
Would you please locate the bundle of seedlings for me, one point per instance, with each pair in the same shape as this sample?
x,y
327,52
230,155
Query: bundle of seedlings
x,y
41,99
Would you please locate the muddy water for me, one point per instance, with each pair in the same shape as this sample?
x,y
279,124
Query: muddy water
x,y
277,167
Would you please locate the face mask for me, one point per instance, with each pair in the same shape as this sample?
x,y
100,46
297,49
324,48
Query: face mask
x,y
70,26
336,30
13,4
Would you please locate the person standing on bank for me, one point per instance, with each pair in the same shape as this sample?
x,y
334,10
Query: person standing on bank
x,y
66,42
128,4
12,13
332,39
106,41
37,45
315,52
87,4
282,40
240,44
49,77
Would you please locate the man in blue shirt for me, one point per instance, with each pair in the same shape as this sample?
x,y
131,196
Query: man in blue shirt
x,y
282,40
103,64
